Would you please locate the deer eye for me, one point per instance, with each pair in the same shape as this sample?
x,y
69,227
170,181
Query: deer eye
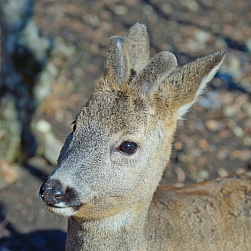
x,y
128,147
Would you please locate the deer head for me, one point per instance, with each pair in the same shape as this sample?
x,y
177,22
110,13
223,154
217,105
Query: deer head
x,y
121,141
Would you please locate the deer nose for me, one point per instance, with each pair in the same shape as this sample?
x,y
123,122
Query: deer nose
x,y
51,192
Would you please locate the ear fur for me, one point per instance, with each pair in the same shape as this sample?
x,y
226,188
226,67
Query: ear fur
x,y
177,88
186,83
160,66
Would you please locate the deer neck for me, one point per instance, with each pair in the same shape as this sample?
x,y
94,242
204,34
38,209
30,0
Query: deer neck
x,y
123,231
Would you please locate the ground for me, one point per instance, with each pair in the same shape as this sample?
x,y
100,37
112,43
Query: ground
x,y
213,140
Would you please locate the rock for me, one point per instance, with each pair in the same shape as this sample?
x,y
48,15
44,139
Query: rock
x,y
43,87
61,49
247,109
178,146
240,171
229,111
167,8
214,125
93,20
247,141
43,126
202,37
120,10
31,38
242,155
235,62
202,175
224,134
222,172
222,154
238,131
203,144
181,176
234,68
51,146
191,5
212,148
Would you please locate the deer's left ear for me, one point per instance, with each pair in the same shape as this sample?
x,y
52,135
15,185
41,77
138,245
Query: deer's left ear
x,y
186,83
155,72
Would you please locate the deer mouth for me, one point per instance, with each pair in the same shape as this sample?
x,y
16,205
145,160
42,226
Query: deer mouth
x,y
63,209
59,205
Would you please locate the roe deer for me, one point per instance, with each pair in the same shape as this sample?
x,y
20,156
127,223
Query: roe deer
x,y
111,164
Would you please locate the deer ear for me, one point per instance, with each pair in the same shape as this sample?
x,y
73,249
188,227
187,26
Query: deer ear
x,y
116,66
154,73
137,43
186,83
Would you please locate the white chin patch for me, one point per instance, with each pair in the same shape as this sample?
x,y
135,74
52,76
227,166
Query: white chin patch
x,y
65,211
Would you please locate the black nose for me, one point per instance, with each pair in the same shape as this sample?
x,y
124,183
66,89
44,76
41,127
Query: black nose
x,y
51,192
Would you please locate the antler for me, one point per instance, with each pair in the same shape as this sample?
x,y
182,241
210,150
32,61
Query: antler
x,y
128,55
116,66
137,43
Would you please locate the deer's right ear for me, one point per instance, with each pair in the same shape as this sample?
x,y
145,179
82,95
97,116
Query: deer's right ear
x,y
116,66
157,70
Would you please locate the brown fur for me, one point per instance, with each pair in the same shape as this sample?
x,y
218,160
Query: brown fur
x,y
213,215
114,206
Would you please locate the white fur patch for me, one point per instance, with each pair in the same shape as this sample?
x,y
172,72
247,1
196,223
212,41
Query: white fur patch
x,y
65,211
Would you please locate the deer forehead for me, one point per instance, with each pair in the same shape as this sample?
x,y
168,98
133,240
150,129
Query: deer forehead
x,y
117,111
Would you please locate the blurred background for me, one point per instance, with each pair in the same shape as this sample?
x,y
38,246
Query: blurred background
x,y
52,56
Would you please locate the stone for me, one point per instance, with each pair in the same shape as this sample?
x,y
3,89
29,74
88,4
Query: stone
x,y
202,175
50,145
214,125
121,10
222,172
238,131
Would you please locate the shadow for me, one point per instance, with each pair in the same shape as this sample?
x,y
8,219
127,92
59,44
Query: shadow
x,y
49,240
37,172
11,239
